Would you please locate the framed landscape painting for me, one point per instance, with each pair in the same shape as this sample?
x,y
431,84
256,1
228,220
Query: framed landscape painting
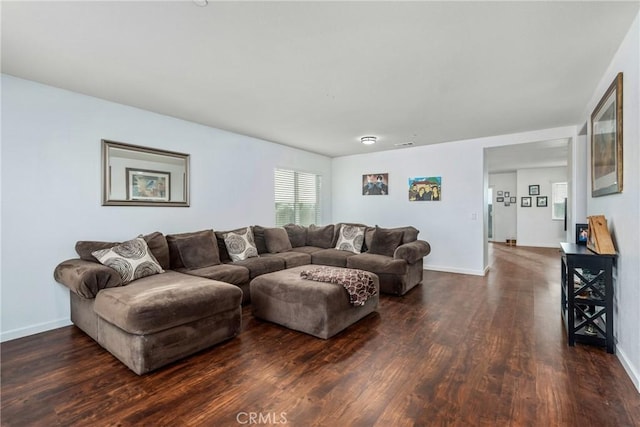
x,y
606,142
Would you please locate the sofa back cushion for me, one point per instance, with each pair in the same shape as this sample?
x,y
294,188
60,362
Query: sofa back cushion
x,y
321,237
385,241
297,235
156,241
259,239
277,240
193,250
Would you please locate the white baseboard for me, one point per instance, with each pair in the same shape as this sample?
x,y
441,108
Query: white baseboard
x,y
628,367
33,329
457,270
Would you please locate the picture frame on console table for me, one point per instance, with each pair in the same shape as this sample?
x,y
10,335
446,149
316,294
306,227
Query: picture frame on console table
x,y
606,142
582,234
143,184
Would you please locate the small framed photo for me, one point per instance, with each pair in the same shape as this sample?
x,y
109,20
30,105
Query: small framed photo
x,y
582,234
534,190
143,184
499,199
507,194
525,202
506,203
499,193
512,199
541,201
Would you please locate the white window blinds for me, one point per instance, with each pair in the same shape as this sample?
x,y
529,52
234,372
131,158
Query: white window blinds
x,y
297,196
558,195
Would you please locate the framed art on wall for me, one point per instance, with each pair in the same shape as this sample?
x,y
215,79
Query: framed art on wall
x,y
525,202
375,184
425,188
541,201
534,190
606,142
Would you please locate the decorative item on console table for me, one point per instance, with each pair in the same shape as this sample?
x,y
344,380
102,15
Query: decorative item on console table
x,y
582,234
599,239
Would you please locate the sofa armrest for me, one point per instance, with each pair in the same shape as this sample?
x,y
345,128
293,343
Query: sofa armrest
x,y
86,278
412,251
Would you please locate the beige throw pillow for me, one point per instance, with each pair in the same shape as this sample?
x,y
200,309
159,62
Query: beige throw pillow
x,y
132,260
240,244
350,238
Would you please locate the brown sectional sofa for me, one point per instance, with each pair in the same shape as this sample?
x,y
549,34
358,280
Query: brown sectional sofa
x,y
196,302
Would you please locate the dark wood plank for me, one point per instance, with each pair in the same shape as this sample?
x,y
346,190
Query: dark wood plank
x,y
457,350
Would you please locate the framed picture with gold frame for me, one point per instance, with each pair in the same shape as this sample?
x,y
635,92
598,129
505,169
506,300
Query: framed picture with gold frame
x,y
606,142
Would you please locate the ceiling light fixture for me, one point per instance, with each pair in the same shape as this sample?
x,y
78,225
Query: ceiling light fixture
x,y
201,3
368,140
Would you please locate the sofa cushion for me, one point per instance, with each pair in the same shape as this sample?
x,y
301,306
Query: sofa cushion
x,y
158,246
378,264
292,258
409,234
259,239
321,237
85,248
297,235
350,238
277,240
306,249
193,250
131,259
261,265
229,273
158,303
385,241
240,244
332,257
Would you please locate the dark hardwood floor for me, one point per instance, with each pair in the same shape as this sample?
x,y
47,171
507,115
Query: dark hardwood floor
x,y
457,350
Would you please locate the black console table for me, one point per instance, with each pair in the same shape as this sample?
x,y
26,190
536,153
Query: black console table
x,y
587,296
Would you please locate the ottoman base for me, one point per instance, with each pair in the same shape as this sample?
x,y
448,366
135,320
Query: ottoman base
x,y
316,308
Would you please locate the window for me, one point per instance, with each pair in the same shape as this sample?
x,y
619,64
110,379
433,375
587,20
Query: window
x,y
558,197
297,197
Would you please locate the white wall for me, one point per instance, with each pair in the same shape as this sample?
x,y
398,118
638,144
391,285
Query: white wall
x,y
51,188
505,220
535,226
453,226
623,210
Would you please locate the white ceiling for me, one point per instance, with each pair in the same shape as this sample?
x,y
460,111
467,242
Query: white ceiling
x,y
319,75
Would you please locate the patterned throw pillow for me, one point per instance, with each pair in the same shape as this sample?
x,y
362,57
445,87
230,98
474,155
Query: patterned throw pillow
x,y
240,244
132,260
351,238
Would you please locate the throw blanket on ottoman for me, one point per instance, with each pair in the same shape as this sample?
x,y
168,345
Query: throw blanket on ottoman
x,y
358,283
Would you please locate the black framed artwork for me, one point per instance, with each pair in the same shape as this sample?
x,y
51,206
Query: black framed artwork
x,y
525,202
534,190
541,201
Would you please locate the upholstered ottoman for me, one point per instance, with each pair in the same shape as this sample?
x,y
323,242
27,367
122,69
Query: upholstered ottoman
x,y
317,308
